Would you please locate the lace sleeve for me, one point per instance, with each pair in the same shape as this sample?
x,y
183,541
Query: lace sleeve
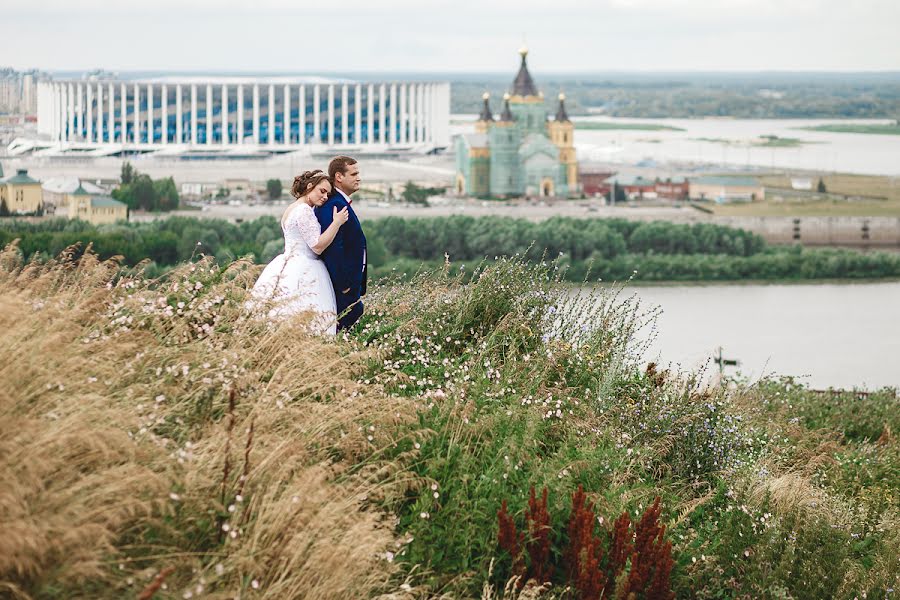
x,y
308,226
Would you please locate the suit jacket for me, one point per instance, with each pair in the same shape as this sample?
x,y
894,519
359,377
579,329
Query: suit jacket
x,y
345,257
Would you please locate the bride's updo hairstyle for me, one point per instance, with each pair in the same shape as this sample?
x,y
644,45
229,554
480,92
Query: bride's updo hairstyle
x,y
307,181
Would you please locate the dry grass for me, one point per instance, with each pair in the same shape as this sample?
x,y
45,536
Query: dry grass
x,y
116,429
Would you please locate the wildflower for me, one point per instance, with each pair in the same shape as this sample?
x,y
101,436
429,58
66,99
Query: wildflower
x,y
255,584
174,496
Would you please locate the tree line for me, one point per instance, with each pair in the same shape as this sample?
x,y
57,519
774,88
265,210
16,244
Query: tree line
x,y
612,249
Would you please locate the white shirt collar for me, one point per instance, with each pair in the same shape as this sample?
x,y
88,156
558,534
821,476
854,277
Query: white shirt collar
x,y
346,197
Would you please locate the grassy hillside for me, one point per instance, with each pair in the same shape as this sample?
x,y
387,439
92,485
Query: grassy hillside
x,y
157,440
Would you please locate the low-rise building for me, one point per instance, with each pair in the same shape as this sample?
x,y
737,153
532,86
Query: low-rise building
x,y
57,190
96,210
727,189
593,180
634,187
673,188
20,194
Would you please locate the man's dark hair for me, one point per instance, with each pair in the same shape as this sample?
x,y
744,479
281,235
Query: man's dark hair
x,y
339,164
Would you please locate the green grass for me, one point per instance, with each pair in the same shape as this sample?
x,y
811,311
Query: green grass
x,y
606,125
769,490
374,464
885,129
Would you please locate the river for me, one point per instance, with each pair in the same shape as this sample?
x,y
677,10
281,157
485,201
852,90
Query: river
x,y
733,143
828,335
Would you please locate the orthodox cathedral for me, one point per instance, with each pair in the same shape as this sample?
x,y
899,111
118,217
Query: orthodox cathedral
x,y
521,153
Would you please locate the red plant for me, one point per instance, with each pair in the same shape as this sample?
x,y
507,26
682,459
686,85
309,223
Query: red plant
x,y
539,532
651,559
643,545
510,540
584,551
619,551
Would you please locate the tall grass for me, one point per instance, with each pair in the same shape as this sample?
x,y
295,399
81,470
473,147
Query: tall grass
x,y
157,440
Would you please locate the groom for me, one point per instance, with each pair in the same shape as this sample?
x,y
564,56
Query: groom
x,y
345,258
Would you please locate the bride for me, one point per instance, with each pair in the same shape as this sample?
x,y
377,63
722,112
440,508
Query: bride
x,y
297,281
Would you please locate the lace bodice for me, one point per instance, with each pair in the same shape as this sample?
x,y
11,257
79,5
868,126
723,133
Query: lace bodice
x,y
301,231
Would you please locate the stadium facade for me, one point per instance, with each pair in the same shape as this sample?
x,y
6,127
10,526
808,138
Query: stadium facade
x,y
237,115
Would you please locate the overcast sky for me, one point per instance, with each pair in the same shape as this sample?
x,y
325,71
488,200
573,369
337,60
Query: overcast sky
x,y
451,35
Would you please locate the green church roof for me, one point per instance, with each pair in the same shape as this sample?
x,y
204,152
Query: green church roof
x,y
724,180
81,191
21,177
105,202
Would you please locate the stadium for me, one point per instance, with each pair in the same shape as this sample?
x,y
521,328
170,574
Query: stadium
x,y
230,117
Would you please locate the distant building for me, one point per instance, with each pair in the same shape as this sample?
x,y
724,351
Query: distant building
x,y
521,153
593,181
56,190
727,189
215,116
96,210
20,194
801,183
634,187
673,188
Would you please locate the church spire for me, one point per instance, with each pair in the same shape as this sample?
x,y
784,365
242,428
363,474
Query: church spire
x,y
486,114
561,114
506,115
523,85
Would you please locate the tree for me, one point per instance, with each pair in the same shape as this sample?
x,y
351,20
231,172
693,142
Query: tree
x,y
273,186
618,193
4,210
128,173
821,187
415,194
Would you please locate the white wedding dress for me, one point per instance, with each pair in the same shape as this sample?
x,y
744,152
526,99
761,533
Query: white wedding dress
x,y
297,280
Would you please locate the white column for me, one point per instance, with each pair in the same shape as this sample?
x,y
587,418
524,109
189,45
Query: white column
x,y
194,136
382,116
179,126
286,122
331,115
79,111
99,126
392,132
111,121
123,113
413,112
344,115
226,139
316,99
301,115
255,113
428,111
150,113
137,114
403,120
209,114
70,112
89,124
370,117
240,114
271,137
357,97
420,116
164,116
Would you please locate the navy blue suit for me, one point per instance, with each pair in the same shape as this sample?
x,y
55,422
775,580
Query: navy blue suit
x,y
345,260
